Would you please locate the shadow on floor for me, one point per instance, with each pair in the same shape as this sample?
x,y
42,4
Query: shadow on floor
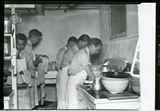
x,y
47,105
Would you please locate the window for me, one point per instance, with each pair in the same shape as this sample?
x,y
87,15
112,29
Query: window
x,y
118,21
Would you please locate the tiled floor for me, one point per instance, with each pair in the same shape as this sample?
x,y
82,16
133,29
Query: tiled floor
x,y
47,105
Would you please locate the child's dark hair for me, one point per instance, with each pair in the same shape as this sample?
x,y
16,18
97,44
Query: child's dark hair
x,y
95,42
35,32
21,36
72,39
84,37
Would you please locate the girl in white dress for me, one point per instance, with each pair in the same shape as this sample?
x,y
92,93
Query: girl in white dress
x,y
62,76
79,70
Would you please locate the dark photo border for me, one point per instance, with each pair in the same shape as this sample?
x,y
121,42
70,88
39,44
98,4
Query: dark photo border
x,y
157,97
2,2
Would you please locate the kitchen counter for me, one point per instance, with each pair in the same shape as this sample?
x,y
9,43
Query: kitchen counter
x,y
50,77
96,101
50,86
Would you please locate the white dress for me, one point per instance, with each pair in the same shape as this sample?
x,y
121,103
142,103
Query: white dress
x,y
61,84
29,55
79,75
72,97
62,77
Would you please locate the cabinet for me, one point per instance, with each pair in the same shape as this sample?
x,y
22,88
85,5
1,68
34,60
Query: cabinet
x,y
10,67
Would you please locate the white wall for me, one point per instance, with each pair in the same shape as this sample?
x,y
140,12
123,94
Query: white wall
x,y
147,55
57,26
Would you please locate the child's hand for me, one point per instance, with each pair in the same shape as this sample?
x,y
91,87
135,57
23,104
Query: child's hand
x,y
37,61
90,78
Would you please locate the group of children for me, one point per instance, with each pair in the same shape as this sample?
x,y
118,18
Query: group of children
x,y
72,63
74,67
33,74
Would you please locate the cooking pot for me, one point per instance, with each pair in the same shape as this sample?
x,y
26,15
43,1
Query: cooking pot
x,y
7,25
116,74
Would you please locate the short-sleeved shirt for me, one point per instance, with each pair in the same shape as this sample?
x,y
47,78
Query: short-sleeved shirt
x,y
59,56
80,60
27,53
68,55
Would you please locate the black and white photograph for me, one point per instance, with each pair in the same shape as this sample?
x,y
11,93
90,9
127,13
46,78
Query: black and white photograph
x,y
44,48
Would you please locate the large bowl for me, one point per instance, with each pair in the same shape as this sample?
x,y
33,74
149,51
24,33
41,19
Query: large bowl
x,y
115,83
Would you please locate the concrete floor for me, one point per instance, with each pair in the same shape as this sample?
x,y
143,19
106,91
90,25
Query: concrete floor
x,y
47,105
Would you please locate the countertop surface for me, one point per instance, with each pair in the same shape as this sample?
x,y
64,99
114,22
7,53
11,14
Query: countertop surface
x,y
104,96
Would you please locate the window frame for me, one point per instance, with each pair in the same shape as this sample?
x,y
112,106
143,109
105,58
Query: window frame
x,y
122,34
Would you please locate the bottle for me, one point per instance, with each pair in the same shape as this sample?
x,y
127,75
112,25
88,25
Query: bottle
x,y
105,67
6,22
97,85
128,67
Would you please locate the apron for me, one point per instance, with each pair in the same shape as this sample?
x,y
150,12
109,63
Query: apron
x,y
35,85
62,78
26,78
28,54
61,84
42,69
21,66
34,90
72,98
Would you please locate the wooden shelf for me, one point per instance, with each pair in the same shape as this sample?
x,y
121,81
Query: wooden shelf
x,y
20,6
7,58
12,103
8,35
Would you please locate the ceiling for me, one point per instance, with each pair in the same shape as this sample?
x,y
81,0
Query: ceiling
x,y
40,9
